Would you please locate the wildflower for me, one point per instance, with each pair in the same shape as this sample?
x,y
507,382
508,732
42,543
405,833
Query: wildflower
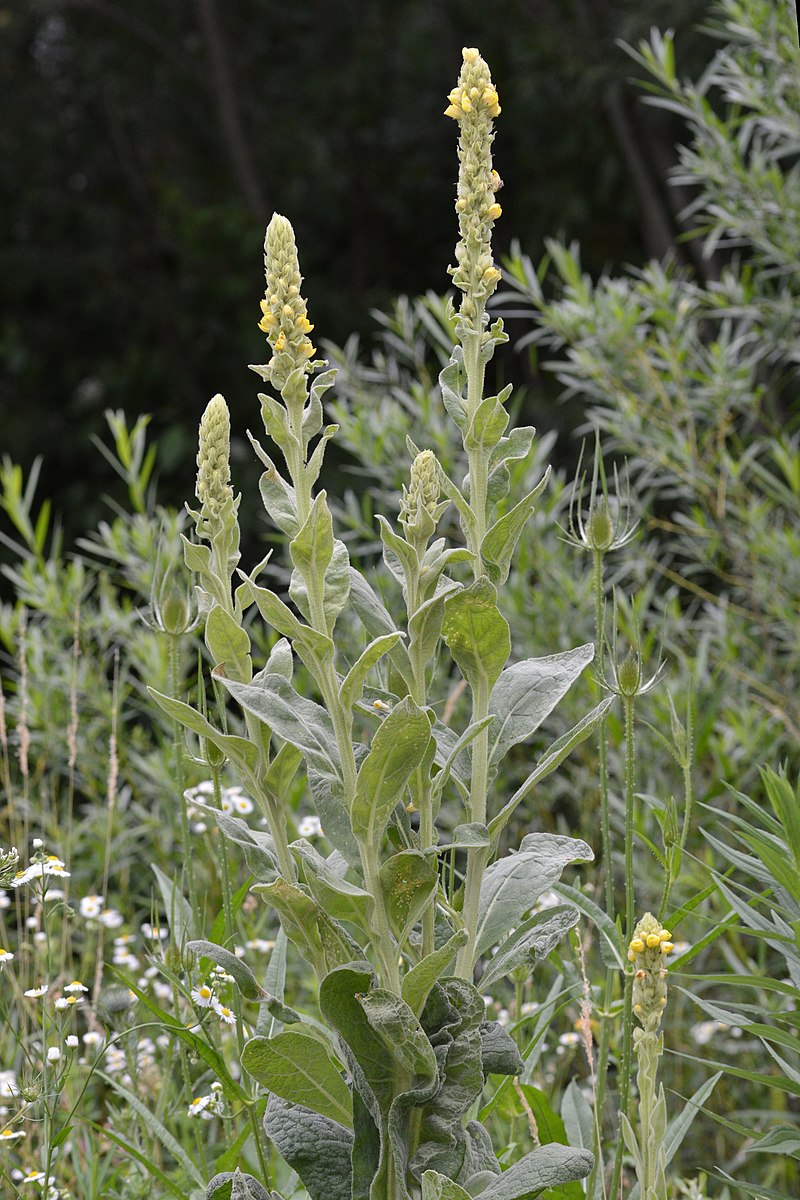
x,y
8,1083
110,918
90,906
243,805
284,320
68,1002
648,948
262,945
474,104
419,505
155,933
92,1038
225,1014
309,827
10,1135
203,996
35,993
208,1106
5,902
198,1108
37,843
5,956
76,986
72,1041
53,1054
33,1177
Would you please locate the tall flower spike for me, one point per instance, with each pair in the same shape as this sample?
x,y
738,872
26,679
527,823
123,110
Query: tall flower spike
x,y
213,459
648,950
474,104
284,315
419,503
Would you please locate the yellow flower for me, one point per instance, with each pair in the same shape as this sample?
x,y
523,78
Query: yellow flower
x,y
494,211
653,940
637,946
470,54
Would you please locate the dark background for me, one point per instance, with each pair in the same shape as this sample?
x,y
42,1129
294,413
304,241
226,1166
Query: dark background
x,y
145,144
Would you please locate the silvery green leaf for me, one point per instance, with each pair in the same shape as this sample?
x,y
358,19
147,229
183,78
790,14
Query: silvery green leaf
x,y
242,976
451,381
499,1053
239,750
399,556
372,1069
470,836
277,496
196,555
408,881
497,547
321,941
281,618
352,687
398,749
439,1187
328,796
375,618
512,885
454,493
316,1147
425,626
233,1185
259,848
302,722
578,1118
517,445
401,1033
476,633
282,770
530,942
312,547
275,984
552,758
336,585
280,661
335,895
489,422
527,692
546,1167
298,1066
417,982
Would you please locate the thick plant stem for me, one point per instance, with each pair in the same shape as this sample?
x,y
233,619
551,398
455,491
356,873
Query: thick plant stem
x,y
177,749
477,859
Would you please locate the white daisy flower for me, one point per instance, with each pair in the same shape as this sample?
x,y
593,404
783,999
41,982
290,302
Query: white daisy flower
x,y
243,804
35,993
72,1041
226,1015
90,906
155,933
53,1054
110,918
8,1083
262,945
92,1038
309,827
76,986
5,955
4,900
10,1135
203,996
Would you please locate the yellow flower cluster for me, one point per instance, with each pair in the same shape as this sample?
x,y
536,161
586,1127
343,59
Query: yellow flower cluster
x,y
474,105
284,317
648,948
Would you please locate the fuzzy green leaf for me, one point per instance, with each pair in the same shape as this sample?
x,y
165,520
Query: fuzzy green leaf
x,y
530,942
298,1067
398,749
408,881
243,977
512,885
299,721
352,687
316,1147
527,692
417,983
477,634
499,544
239,750
228,644
439,1187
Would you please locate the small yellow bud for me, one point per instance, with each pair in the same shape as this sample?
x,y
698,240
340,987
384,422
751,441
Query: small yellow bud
x,y
666,947
288,311
470,54
466,104
637,1008
637,946
304,324
453,111
497,182
293,290
280,342
474,93
455,96
653,940
492,275
493,212
489,97
665,935
264,307
631,956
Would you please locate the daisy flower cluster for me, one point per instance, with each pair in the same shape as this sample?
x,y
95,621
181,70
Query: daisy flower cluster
x,y
205,996
201,797
208,1106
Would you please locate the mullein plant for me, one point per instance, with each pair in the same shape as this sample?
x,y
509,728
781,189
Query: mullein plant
x,y
647,951
374,1095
